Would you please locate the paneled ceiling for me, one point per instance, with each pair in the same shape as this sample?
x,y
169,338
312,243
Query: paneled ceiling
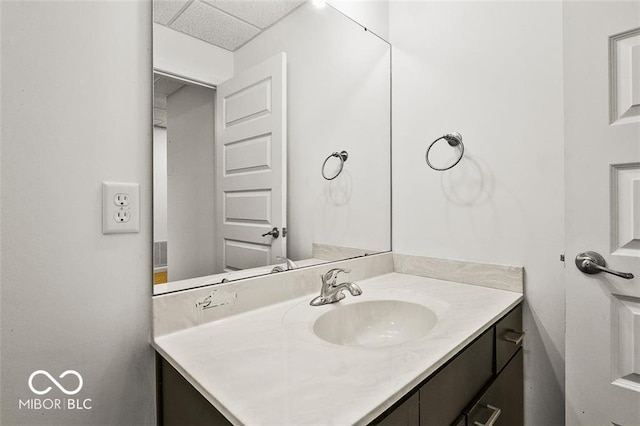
x,y
224,23
163,87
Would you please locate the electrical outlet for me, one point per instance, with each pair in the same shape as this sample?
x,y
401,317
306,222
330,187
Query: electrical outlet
x,y
120,208
122,199
122,215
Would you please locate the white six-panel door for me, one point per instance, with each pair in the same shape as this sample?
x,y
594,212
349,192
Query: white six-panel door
x,y
251,166
602,211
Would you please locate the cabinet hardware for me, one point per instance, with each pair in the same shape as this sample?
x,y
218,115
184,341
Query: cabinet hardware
x,y
514,336
492,419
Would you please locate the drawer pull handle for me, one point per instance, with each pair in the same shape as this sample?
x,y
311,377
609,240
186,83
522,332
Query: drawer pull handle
x,y
492,419
514,336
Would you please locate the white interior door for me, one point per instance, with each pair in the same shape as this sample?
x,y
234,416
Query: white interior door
x,y
251,166
602,211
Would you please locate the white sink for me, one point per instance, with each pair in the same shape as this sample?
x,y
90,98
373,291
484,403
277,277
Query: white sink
x,y
375,323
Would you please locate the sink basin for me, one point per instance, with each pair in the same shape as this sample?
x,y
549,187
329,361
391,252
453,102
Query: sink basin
x,y
375,323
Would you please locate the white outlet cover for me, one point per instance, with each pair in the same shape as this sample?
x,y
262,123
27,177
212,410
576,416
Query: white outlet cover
x,y
110,224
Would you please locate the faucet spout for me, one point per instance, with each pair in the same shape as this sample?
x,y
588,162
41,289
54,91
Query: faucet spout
x,y
290,263
352,287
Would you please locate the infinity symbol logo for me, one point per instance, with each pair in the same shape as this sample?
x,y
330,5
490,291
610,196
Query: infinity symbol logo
x,y
55,382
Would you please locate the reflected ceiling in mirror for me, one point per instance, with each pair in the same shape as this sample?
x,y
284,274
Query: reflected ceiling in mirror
x,y
271,142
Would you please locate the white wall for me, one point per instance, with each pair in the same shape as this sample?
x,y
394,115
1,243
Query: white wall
x,y
373,14
185,56
338,98
190,183
493,72
76,110
73,298
159,184
1,274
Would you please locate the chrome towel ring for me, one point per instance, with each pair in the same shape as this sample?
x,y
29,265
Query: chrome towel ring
x,y
453,139
343,155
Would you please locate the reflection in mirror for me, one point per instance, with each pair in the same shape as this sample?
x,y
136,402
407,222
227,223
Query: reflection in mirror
x,y
445,152
183,179
250,99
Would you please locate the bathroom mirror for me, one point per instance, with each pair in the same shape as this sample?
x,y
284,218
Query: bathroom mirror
x,y
272,139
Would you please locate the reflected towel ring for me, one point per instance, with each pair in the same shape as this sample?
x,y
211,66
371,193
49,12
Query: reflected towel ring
x,y
453,139
342,156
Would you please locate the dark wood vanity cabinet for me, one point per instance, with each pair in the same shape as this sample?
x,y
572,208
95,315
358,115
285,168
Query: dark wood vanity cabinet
x,y
482,385
179,403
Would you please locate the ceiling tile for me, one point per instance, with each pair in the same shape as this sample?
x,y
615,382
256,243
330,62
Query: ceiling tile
x,y
166,85
261,13
207,23
164,10
160,115
159,100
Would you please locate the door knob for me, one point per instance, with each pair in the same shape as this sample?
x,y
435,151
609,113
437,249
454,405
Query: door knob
x,y
274,233
591,262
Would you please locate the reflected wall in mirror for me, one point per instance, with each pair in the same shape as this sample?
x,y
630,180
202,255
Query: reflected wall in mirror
x,y
251,101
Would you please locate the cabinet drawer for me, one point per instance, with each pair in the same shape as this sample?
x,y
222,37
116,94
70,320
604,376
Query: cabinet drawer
x,y
502,402
509,336
445,395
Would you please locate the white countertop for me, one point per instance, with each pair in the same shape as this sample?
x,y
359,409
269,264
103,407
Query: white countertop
x,y
267,367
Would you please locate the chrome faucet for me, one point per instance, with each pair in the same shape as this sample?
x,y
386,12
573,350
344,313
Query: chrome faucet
x,y
290,265
332,292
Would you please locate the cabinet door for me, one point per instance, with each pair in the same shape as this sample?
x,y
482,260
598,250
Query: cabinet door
x,y
445,396
502,403
181,404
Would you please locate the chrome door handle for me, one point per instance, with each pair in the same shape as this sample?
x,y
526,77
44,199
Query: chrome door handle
x,y
591,262
274,233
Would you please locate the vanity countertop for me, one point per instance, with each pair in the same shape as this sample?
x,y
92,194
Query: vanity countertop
x,y
267,366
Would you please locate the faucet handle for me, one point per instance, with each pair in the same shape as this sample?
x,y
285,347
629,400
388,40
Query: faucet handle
x,y
332,274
